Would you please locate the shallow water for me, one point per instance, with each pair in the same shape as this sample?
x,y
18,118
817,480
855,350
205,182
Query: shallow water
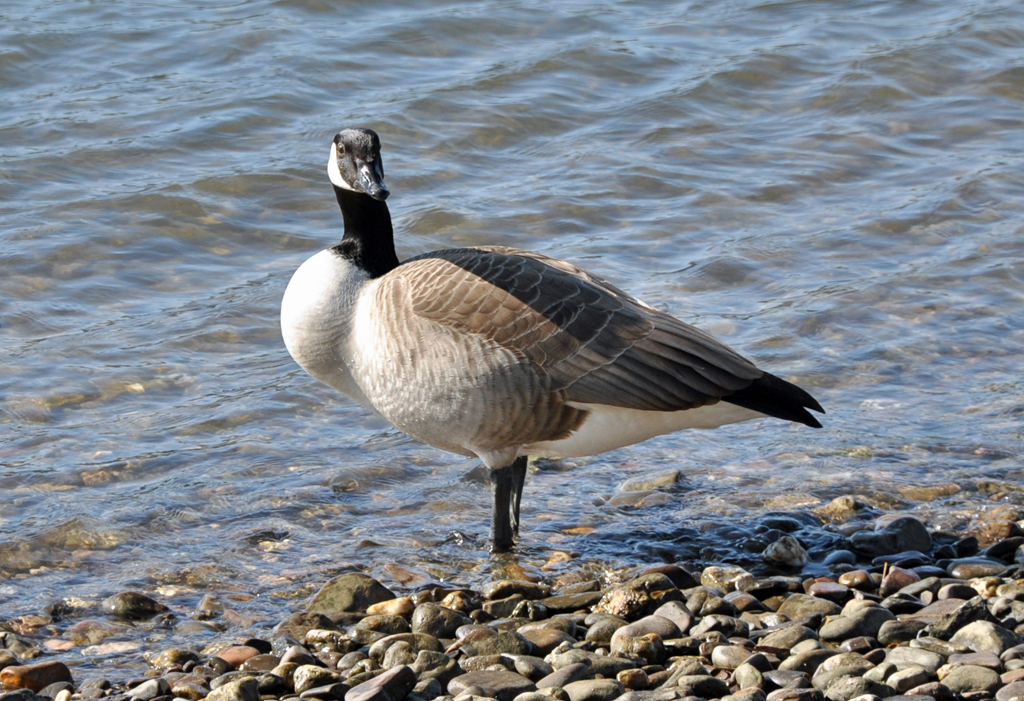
x,y
832,188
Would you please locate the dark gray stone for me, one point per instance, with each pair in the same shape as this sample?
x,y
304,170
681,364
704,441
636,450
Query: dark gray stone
x,y
511,643
504,588
860,622
970,611
393,685
349,592
244,689
148,690
847,688
132,605
906,533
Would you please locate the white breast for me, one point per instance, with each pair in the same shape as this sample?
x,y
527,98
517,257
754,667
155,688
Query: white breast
x,y
316,319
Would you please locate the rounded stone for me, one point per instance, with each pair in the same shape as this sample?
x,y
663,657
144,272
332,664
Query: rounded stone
x,y
386,623
436,620
658,625
703,685
544,640
730,656
244,689
906,533
501,685
798,605
864,621
349,592
504,588
401,606
393,685
132,605
35,677
594,690
984,636
638,597
968,678
786,552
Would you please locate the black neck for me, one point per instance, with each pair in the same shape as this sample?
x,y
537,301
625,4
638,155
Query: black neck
x,y
369,239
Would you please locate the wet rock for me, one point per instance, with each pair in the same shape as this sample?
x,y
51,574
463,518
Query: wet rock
x,y
8,659
298,624
703,685
501,685
190,690
896,579
833,591
503,608
349,592
906,533
244,689
795,694
393,685
92,631
437,621
638,597
53,690
857,579
786,552
704,601
132,605
652,480
19,695
971,568
984,636
967,678
504,588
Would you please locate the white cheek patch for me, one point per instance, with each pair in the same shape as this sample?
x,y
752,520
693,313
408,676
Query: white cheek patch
x,y
334,172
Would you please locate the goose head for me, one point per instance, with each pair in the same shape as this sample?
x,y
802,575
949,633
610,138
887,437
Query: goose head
x,y
355,163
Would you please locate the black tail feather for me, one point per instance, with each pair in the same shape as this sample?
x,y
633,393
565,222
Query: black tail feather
x,y
774,396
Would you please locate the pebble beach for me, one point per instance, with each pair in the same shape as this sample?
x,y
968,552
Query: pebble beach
x,y
901,612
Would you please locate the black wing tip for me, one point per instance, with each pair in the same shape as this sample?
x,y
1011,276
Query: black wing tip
x,y
776,397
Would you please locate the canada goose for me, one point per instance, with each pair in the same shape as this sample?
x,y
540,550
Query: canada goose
x,y
500,353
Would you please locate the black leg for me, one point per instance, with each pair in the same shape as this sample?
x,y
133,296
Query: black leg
x,y
501,525
518,480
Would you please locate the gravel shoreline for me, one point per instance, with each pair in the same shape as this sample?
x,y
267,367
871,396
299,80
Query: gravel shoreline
x,y
903,613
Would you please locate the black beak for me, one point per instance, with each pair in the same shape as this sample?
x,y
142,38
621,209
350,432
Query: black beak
x,y
371,180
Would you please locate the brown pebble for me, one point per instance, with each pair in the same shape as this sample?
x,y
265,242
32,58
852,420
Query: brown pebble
x,y
35,677
833,591
895,579
634,679
237,654
857,579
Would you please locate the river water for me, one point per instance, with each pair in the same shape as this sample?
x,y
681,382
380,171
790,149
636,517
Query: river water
x,y
834,189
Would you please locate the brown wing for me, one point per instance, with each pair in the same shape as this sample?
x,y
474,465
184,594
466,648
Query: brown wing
x,y
595,342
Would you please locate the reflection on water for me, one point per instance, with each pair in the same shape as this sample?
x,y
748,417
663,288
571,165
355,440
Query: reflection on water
x,y
832,189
